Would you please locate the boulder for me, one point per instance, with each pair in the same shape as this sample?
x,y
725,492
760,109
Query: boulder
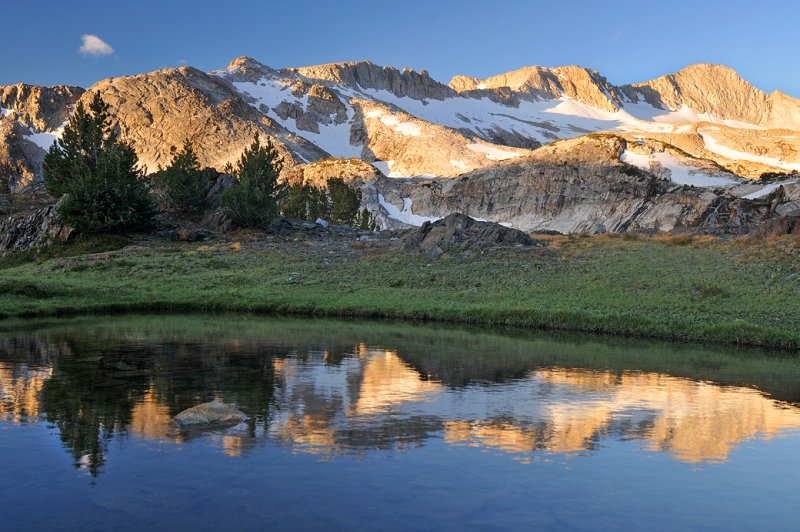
x,y
213,413
460,231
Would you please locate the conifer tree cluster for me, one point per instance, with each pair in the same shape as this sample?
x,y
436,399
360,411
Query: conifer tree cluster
x,y
98,173
104,190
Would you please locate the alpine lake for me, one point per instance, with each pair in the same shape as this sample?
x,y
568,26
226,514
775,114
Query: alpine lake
x,y
383,425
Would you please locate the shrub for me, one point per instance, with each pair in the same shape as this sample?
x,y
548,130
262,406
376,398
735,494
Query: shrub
x,y
104,189
252,201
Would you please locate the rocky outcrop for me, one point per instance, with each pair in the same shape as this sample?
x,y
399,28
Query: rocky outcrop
x,y
354,172
26,113
574,186
457,230
37,228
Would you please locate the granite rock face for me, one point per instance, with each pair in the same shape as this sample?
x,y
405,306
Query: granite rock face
x,y
577,186
366,75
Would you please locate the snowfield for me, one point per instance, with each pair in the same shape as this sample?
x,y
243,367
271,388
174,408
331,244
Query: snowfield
x,y
333,138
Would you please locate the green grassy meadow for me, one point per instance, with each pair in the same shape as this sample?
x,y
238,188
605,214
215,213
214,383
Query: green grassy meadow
x,y
744,291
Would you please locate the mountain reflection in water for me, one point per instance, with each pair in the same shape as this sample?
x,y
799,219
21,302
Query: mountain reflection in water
x,y
340,390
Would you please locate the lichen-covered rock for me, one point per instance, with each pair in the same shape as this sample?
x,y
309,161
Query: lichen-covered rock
x,y
213,413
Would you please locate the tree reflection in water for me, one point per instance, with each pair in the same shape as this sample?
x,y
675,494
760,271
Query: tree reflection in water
x,y
332,388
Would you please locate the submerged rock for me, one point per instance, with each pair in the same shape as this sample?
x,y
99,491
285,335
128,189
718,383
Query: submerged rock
x,y
208,414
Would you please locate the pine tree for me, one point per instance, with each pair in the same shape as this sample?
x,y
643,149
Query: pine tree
x,y
98,173
183,184
344,202
253,201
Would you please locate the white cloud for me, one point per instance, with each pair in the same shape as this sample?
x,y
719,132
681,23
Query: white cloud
x,y
94,45
617,35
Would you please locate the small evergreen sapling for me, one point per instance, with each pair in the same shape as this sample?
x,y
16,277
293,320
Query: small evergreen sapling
x,y
253,200
183,184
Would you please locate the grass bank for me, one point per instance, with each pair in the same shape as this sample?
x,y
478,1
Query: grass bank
x,y
743,292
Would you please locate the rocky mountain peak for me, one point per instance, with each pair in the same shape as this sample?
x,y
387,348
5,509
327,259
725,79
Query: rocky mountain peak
x,y
705,89
245,69
541,83
367,75
243,62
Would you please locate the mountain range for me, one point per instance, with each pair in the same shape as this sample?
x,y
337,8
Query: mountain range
x,y
537,148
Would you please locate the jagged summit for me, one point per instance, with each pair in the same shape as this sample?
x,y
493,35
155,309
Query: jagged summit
x,y
537,83
367,75
718,90
243,61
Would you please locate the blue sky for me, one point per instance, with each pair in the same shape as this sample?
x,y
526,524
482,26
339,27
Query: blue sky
x,y
626,41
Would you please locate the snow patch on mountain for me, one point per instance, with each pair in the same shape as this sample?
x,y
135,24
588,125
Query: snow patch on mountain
x,y
714,146
333,138
491,152
406,128
405,215
678,173
43,139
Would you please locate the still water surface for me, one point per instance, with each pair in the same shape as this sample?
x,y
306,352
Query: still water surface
x,y
389,426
